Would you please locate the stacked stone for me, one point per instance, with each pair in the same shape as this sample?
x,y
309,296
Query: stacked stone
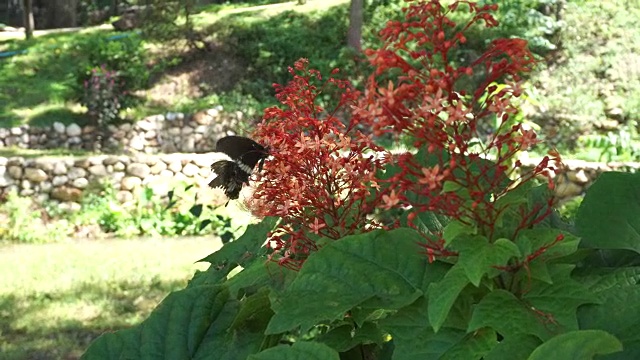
x,y
65,179
168,133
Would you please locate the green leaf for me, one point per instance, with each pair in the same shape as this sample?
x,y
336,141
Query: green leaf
x,y
302,350
242,251
473,346
203,224
477,256
531,240
183,326
560,299
450,186
254,313
414,338
609,258
618,313
514,347
608,216
444,293
502,311
346,337
600,280
580,344
379,269
196,210
455,228
257,276
430,223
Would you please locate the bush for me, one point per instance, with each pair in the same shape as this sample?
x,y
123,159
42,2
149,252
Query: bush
x,y
103,96
23,221
268,46
149,214
123,61
478,265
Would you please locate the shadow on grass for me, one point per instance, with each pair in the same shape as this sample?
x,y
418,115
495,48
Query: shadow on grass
x,y
62,324
59,114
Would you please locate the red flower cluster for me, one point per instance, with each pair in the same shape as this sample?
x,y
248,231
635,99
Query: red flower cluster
x,y
320,178
426,99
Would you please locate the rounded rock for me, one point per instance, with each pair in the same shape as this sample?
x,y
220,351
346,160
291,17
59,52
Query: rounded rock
x,y
190,170
130,183
59,180
35,175
73,130
76,172
138,170
80,183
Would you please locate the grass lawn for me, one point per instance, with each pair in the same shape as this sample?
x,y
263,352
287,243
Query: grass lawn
x,y
38,84
56,298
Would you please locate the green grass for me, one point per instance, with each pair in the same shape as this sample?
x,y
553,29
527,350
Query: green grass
x,y
36,85
56,298
36,153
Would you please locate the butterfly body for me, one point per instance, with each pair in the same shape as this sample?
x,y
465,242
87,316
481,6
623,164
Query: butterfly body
x,y
241,156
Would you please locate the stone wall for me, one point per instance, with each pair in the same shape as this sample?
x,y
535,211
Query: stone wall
x,y
65,179
169,133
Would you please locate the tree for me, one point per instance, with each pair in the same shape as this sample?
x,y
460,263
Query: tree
x,y
28,23
354,34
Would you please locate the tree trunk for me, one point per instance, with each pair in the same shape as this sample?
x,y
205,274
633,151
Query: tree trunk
x,y
354,35
28,23
114,8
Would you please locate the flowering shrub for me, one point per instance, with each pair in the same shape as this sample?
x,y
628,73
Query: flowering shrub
x,y
475,264
322,176
102,95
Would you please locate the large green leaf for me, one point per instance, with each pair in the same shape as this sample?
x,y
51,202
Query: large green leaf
x,y
477,256
619,313
556,303
580,344
443,294
609,216
413,336
502,311
473,346
258,275
303,350
241,252
602,279
530,241
380,269
514,347
186,325
346,337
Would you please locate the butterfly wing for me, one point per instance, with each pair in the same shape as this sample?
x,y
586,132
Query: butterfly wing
x,y
229,176
243,155
242,149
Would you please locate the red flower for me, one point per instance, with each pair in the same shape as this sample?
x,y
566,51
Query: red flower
x,y
425,99
320,177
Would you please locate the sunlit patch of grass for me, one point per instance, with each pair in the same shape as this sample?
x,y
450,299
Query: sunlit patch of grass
x,y
56,298
38,153
43,76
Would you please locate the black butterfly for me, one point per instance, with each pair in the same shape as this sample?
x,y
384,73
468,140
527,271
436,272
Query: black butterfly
x,y
233,172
